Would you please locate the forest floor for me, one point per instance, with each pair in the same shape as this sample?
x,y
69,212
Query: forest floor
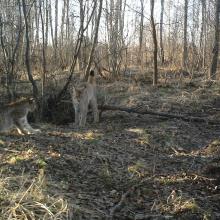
x,y
128,166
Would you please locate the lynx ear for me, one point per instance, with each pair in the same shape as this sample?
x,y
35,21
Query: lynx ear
x,y
31,100
92,73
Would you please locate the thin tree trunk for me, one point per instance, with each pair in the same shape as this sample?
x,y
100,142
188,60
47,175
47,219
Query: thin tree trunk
x,y
67,21
169,32
37,25
62,23
202,35
27,52
154,35
55,30
15,50
214,62
95,39
5,58
80,37
161,32
184,61
44,64
51,24
141,30
74,61
47,24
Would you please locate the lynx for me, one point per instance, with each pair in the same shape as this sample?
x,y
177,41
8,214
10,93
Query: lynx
x,y
14,115
84,96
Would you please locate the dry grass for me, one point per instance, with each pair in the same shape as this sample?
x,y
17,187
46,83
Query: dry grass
x,y
23,197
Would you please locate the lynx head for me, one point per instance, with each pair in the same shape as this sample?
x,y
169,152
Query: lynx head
x,y
31,104
91,78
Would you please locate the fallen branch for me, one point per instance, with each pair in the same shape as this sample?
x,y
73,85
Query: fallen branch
x,y
161,114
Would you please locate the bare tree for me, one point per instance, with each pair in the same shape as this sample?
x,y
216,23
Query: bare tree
x,y
63,20
154,35
56,30
202,41
115,26
80,35
161,32
184,59
44,63
10,44
67,20
51,24
27,52
95,39
141,31
46,24
36,11
214,62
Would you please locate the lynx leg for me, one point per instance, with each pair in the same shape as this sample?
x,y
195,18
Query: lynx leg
x,y
76,107
83,115
95,109
75,103
24,126
19,128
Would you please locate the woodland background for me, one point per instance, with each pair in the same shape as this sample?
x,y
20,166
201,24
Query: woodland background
x,y
41,39
155,152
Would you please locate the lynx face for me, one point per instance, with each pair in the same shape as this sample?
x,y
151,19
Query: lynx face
x,y
32,104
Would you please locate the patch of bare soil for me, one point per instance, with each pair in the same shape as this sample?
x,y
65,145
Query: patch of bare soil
x,y
128,166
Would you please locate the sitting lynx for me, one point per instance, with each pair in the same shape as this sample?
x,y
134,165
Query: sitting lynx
x,y
82,97
14,115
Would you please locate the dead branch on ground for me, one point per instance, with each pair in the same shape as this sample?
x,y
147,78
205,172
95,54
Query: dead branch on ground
x,y
161,114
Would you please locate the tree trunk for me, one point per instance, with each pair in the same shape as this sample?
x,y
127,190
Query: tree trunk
x,y
51,24
161,32
185,52
154,35
27,52
67,21
95,39
62,24
202,42
56,30
214,62
115,26
47,24
140,52
44,64
78,44
37,40
16,48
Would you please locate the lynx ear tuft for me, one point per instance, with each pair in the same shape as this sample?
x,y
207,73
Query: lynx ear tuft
x,y
92,73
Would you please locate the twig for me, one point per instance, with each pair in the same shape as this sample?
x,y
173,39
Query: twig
x,y
119,205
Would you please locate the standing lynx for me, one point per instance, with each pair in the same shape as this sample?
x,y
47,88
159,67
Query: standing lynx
x,y
84,96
